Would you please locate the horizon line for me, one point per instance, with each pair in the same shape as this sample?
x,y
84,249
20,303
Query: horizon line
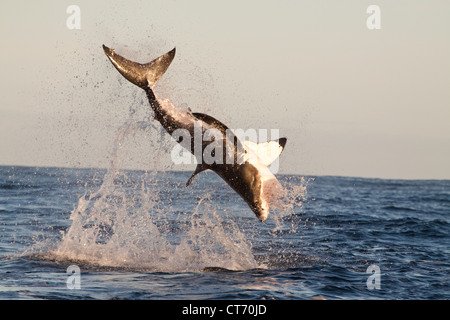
x,y
190,171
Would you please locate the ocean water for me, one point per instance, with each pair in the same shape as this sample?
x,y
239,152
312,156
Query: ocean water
x,y
118,234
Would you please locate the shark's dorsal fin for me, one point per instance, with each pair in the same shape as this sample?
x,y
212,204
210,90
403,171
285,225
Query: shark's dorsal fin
x,y
226,132
200,167
267,152
211,121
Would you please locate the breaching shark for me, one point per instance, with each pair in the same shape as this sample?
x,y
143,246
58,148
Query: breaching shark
x,y
248,171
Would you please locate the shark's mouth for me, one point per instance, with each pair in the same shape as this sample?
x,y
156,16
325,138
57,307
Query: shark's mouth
x,y
270,193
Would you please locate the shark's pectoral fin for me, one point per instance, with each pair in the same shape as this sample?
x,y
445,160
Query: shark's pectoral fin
x,y
267,152
200,167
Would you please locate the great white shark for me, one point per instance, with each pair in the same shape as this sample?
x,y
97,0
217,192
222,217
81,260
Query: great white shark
x,y
248,171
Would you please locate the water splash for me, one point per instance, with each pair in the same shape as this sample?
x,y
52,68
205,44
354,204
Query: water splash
x,y
130,221
127,223
288,202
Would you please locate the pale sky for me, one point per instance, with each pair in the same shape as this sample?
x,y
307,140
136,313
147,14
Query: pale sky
x,y
351,101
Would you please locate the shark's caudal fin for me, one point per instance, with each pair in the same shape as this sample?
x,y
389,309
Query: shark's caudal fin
x,y
142,75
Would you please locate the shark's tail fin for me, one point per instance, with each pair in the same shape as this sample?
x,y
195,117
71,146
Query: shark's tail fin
x,y
142,75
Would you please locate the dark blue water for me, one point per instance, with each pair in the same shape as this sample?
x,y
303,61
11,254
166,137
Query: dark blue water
x,y
144,235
